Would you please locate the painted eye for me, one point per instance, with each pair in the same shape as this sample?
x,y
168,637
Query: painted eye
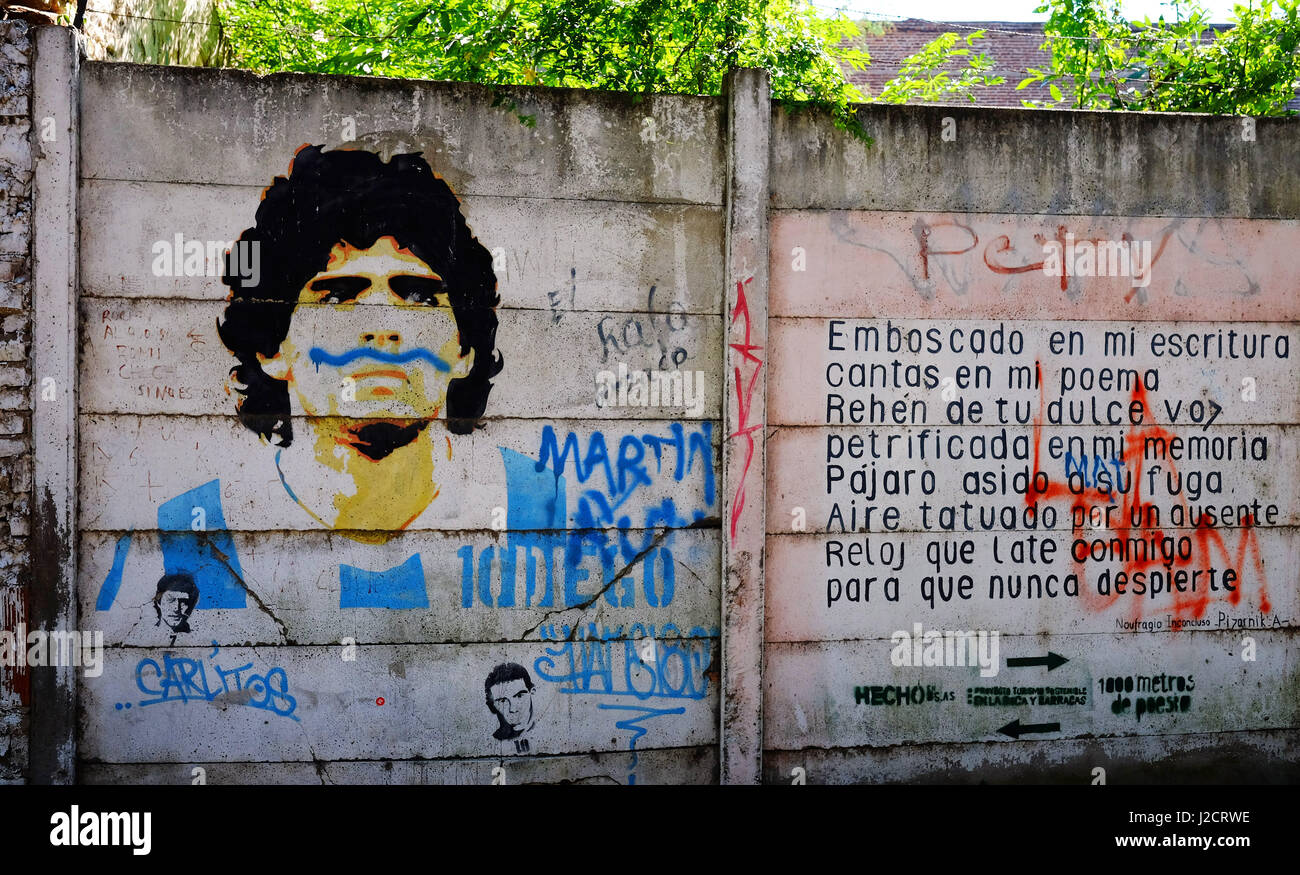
x,y
436,299
429,291
340,289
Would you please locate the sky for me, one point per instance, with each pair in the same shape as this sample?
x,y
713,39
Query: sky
x,y
999,10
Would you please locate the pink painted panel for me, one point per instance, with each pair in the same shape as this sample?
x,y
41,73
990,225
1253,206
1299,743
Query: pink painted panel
x,y
949,265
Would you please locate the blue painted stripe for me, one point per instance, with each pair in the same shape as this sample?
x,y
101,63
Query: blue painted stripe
x,y
207,555
319,356
112,583
399,588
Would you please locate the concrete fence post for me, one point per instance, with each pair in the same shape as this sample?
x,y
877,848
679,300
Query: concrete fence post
x,y
744,413
53,597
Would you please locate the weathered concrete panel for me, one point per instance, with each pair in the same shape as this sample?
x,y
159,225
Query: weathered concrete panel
x,y
1030,161
993,513
548,254
954,266
822,587
1258,757
140,463
149,123
831,369
294,581
692,765
831,474
379,523
846,694
165,356
305,703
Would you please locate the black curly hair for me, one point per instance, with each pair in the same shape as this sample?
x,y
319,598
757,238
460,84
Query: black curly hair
x,y
179,582
353,196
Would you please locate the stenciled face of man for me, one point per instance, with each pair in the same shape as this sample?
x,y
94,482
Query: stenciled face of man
x,y
372,337
514,702
175,607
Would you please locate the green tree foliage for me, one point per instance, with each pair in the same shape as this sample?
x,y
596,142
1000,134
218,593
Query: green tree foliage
x,y
1100,60
923,77
638,46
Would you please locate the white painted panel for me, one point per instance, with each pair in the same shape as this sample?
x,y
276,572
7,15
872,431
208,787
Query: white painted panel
x,y
303,703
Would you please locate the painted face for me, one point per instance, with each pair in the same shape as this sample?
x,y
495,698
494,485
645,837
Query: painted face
x,y
514,702
372,338
175,607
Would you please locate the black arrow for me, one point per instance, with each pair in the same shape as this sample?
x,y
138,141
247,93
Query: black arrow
x,y
1051,660
1015,730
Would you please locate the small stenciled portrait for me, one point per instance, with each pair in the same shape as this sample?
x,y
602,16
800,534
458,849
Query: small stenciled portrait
x,y
369,317
174,602
509,693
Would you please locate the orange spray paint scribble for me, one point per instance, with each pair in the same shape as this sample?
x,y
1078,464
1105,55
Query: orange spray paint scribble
x,y
1132,508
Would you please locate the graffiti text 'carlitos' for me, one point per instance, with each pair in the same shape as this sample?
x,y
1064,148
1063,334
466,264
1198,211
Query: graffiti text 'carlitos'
x,y
180,679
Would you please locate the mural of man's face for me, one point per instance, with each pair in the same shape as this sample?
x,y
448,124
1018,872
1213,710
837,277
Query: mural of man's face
x,y
175,606
372,337
514,703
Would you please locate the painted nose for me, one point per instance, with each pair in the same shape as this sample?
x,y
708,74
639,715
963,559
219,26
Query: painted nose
x,y
380,339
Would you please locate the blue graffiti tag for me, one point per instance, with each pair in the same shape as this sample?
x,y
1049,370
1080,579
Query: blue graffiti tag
x,y
606,479
667,666
1080,476
538,522
181,679
634,726
628,470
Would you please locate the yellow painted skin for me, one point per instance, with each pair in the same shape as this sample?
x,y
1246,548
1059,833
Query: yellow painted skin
x,y
366,499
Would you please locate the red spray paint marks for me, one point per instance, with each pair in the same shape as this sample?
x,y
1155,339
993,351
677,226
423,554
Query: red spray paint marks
x,y
999,254
14,679
744,398
1135,520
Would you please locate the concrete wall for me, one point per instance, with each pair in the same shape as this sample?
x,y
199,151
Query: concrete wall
x,y
888,265
598,575
15,441
662,572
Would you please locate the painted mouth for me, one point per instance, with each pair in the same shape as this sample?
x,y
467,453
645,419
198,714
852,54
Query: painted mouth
x,y
390,374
